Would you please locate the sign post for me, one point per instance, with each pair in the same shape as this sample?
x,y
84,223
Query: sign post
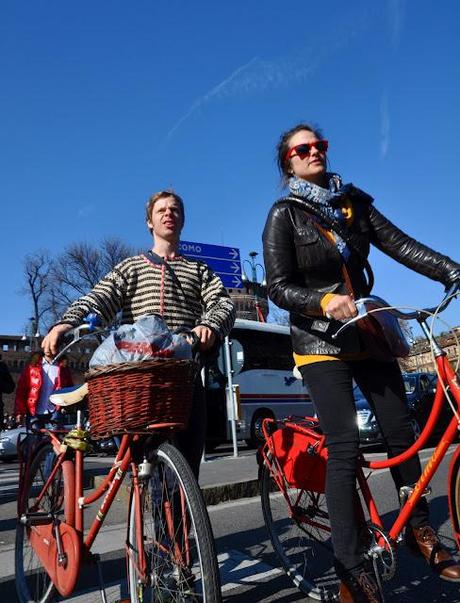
x,y
225,262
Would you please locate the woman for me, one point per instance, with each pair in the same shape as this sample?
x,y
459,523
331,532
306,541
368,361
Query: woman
x,y
316,243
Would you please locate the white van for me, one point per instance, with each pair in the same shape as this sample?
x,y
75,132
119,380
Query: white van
x,y
261,364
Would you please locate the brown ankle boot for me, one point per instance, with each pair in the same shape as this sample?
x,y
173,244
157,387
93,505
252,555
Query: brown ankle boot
x,y
359,588
424,541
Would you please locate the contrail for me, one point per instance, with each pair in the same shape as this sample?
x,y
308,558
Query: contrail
x,y
385,126
206,97
257,74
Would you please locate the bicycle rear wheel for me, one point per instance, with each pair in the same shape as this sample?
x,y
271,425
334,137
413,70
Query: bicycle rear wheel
x,y
301,536
176,536
32,581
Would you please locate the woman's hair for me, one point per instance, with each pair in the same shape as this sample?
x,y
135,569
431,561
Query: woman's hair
x,y
162,195
283,147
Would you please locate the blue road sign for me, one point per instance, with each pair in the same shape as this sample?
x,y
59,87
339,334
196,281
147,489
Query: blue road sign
x,y
225,261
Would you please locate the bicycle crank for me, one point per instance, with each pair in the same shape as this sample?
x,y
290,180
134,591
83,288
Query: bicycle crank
x,y
380,550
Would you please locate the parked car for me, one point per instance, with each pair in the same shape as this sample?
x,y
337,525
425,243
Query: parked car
x,y
9,441
420,389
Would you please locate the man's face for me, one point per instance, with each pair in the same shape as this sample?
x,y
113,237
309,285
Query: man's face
x,y
166,219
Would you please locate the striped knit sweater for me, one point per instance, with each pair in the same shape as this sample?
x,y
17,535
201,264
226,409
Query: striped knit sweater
x,y
188,295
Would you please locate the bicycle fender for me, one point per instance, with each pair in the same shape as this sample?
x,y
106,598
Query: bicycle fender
x,y
63,575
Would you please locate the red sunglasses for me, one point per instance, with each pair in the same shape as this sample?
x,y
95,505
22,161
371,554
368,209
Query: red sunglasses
x,y
303,150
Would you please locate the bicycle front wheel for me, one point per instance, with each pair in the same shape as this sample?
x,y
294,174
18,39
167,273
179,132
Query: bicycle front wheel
x,y
171,553
32,581
454,495
297,521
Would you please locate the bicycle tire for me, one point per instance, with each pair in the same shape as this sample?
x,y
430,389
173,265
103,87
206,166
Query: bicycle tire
x,y
32,581
169,579
454,495
303,547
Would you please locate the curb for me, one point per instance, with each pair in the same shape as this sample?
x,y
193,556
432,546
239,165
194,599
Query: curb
x,y
213,494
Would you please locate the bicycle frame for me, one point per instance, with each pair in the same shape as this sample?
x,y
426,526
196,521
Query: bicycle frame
x,y
448,379
110,487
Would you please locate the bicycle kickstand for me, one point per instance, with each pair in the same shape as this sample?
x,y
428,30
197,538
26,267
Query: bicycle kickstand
x,y
97,560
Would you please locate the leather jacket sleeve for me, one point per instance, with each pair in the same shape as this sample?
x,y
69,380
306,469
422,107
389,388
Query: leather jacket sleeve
x,y
394,242
283,279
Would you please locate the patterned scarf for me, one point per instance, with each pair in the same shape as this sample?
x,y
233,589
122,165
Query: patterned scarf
x,y
328,199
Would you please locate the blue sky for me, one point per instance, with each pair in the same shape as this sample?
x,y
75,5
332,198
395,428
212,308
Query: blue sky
x,y
102,104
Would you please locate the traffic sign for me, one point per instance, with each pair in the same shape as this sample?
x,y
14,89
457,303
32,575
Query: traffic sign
x,y
224,261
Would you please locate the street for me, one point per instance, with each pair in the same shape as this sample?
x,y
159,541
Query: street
x,y
249,569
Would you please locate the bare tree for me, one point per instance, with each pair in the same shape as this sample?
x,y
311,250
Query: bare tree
x,y
80,267
37,270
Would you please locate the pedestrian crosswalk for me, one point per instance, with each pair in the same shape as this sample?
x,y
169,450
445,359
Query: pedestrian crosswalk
x,y
9,481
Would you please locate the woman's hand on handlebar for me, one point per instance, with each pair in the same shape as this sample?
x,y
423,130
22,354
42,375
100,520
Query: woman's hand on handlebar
x,y
206,336
51,341
341,307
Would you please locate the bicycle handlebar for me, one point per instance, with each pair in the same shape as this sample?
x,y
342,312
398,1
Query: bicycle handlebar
x,y
373,303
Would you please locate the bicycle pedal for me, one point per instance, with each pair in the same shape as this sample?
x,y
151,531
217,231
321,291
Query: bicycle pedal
x,y
36,519
406,491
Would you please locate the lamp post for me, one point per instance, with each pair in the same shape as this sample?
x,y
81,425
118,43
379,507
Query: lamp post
x,y
32,333
254,265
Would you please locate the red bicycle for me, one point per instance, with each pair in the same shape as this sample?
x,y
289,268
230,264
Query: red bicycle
x,y
293,475
169,544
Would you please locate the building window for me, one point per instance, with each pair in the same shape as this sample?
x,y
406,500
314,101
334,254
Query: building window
x,y
5,347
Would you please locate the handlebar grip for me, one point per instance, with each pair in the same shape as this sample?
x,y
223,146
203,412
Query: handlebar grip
x,y
93,321
191,338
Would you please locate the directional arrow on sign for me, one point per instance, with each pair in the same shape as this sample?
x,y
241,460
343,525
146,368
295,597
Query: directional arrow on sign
x,y
224,261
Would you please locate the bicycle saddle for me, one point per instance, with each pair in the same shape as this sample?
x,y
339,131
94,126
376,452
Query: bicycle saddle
x,y
67,396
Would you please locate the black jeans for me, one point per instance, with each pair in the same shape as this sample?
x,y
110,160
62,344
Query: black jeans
x,y
331,387
191,441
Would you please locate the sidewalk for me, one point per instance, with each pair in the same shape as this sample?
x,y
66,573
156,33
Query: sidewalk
x,y
225,478
222,477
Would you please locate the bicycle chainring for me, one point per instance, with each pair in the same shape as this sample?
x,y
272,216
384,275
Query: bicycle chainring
x,y
380,550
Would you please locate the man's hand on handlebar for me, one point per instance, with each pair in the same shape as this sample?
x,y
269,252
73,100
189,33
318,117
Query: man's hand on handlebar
x,y
51,341
206,336
341,307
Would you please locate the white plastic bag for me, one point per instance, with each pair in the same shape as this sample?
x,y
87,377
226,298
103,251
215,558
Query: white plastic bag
x,y
149,337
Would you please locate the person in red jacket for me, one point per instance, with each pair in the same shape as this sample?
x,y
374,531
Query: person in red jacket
x,y
39,379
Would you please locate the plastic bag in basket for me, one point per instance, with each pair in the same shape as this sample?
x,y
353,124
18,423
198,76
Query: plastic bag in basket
x,y
149,337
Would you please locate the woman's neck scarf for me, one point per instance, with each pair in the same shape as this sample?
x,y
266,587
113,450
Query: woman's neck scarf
x,y
328,199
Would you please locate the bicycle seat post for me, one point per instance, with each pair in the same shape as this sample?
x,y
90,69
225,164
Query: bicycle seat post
x,y
79,419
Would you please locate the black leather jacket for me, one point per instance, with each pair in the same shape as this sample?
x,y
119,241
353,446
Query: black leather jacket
x,y
302,265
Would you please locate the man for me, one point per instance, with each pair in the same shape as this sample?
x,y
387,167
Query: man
x,y
38,380
185,292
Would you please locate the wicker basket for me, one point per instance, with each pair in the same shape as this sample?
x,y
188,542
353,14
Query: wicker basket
x,y
130,396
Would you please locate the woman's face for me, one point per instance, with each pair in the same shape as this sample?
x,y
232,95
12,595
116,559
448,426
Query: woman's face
x,y
312,166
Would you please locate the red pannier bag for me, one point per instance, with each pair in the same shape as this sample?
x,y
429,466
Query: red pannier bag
x,y
302,456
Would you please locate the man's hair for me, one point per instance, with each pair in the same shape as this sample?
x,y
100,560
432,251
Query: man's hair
x,y
162,195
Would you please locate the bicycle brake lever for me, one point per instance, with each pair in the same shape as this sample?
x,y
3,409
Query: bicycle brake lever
x,y
362,312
